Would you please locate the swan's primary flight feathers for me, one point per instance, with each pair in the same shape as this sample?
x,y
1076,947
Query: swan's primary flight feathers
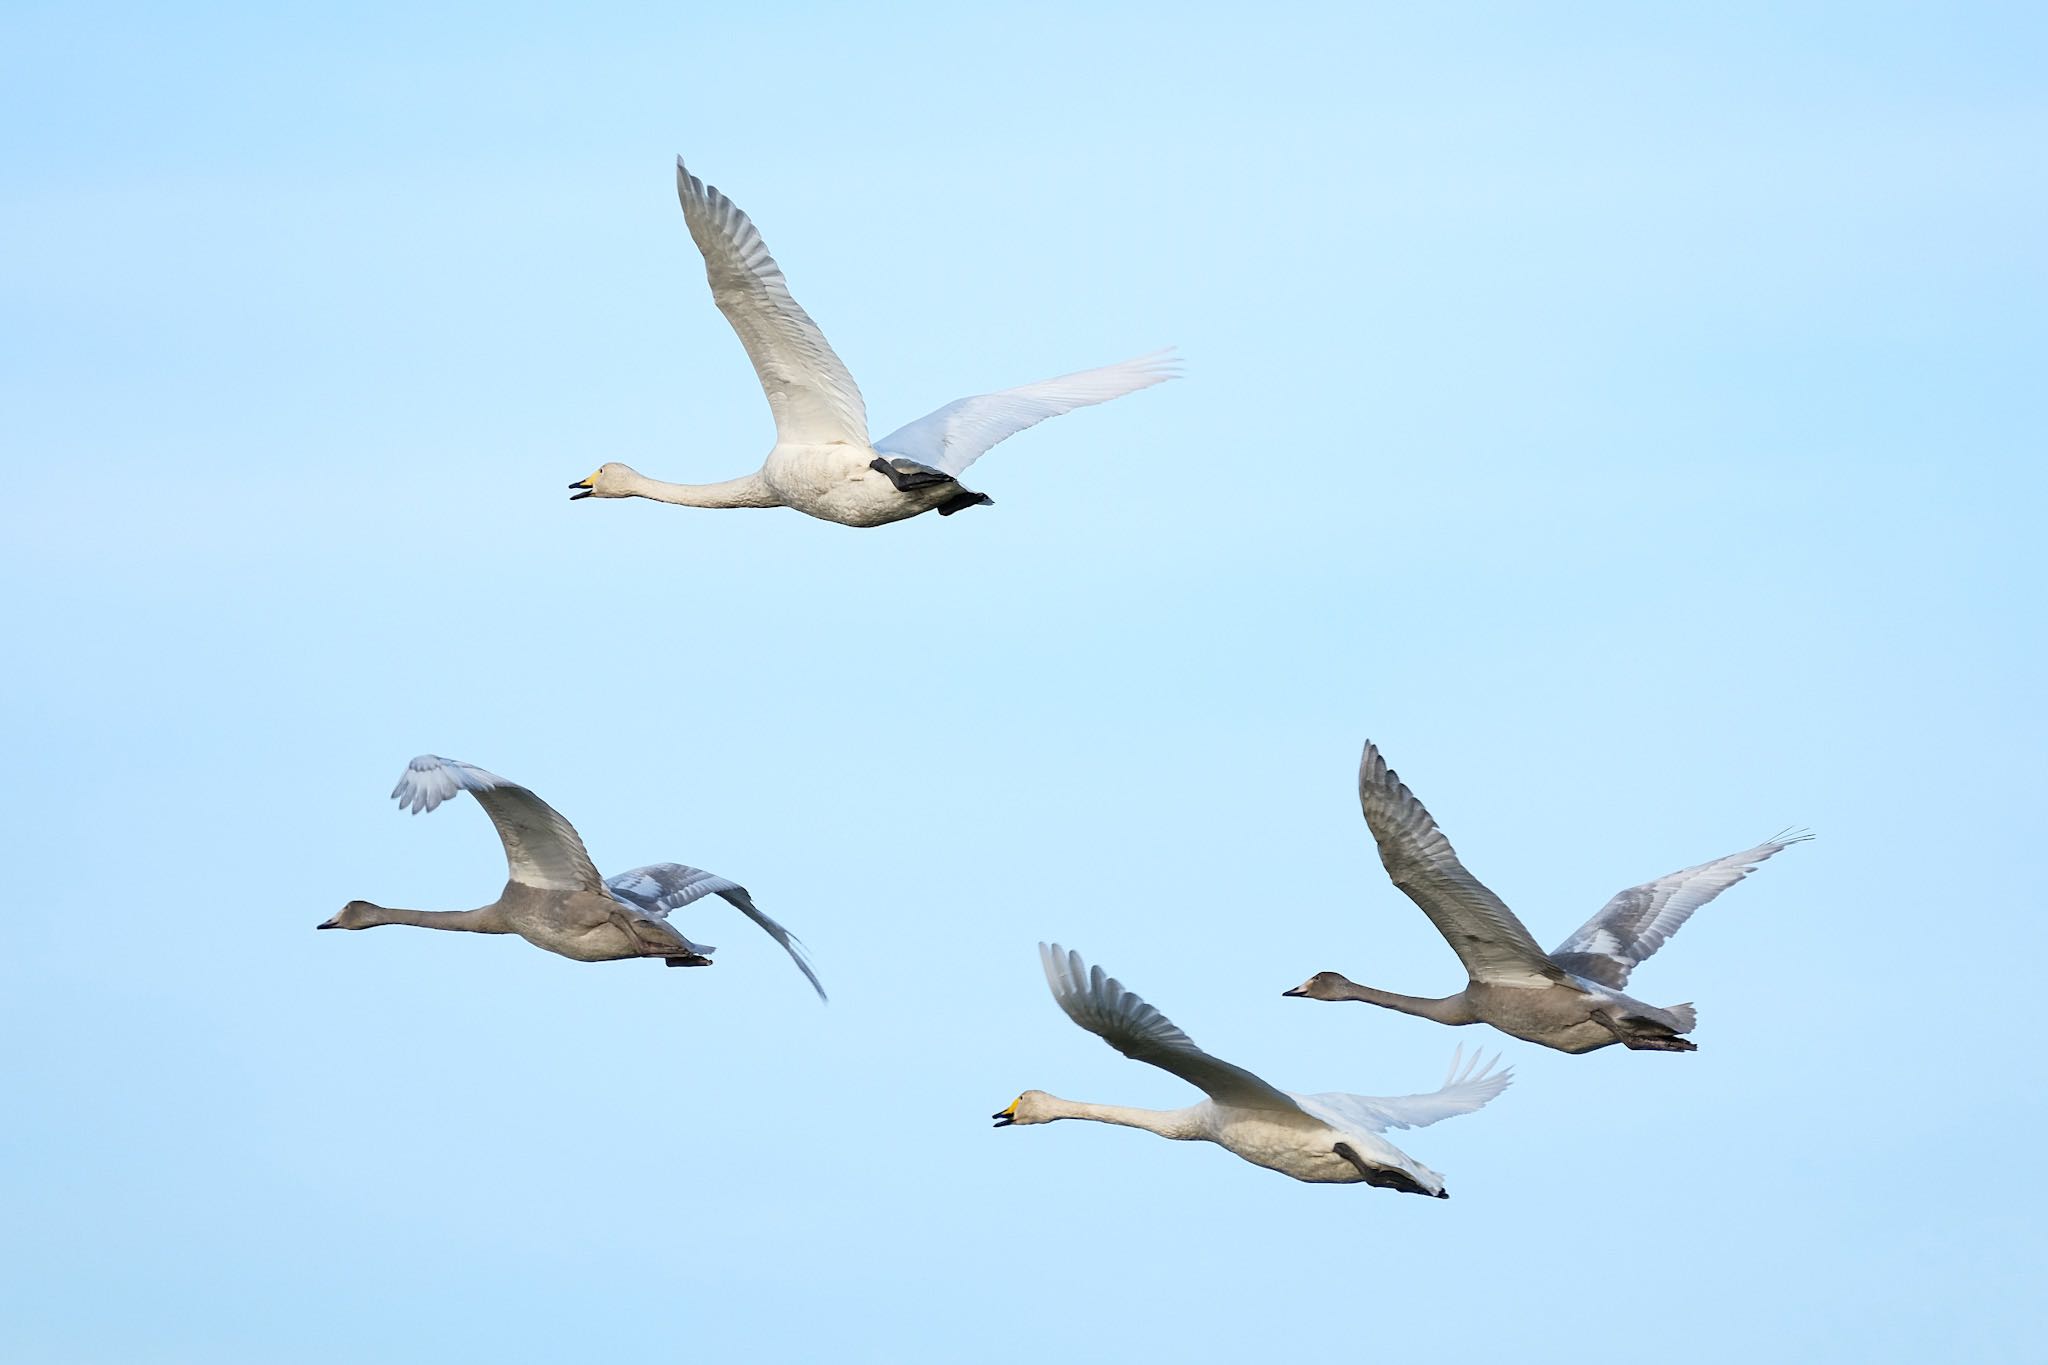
x,y
965,429
541,847
1101,1004
1492,943
1467,1086
661,887
1633,925
813,397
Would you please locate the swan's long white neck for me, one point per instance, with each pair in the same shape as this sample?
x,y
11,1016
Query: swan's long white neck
x,y
1168,1123
748,491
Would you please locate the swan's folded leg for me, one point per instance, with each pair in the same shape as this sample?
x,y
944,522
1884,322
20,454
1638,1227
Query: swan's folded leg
x,y
1385,1177
909,475
1638,1037
658,938
1657,1042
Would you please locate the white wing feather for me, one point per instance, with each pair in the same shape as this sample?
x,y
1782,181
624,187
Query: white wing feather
x,y
813,397
541,848
961,432
660,888
1467,1086
1101,1004
1635,923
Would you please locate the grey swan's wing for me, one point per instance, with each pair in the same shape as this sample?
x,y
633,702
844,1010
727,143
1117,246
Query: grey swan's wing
x,y
660,888
964,430
813,397
1488,939
541,848
1101,1004
1607,947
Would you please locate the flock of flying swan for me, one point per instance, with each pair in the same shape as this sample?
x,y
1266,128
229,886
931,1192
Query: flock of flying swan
x,y
823,464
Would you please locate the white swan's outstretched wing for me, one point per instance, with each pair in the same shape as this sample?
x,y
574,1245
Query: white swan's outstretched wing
x,y
659,888
958,434
814,399
1636,922
1488,939
541,847
1102,1005
1467,1086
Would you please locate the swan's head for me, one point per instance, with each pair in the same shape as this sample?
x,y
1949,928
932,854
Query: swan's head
x,y
1322,986
1033,1106
608,482
354,915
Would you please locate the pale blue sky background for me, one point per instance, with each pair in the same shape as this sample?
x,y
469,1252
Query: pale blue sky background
x,y
1629,417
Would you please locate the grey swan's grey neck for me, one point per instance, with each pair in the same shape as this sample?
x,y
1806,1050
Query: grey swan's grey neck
x,y
1450,1009
748,491
1179,1124
488,919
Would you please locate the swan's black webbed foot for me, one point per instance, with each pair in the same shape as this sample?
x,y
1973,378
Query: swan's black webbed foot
x,y
688,960
964,498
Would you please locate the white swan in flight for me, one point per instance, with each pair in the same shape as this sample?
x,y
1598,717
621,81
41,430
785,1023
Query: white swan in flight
x,y
1331,1139
822,462
1570,999
555,899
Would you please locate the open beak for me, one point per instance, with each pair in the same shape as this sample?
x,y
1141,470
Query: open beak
x,y
1297,992
1007,1116
588,486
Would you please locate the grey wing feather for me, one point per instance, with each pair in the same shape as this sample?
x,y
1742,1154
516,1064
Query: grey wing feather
x,y
542,849
1102,1005
661,887
1467,1086
1488,939
961,432
1636,922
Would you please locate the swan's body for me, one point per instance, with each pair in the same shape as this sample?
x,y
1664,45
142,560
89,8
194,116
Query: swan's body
x,y
1570,999
823,463
1330,1139
555,898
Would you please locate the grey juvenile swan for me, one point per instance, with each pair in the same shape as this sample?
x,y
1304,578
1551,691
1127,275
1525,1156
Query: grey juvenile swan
x,y
555,899
1570,999
1330,1139
822,463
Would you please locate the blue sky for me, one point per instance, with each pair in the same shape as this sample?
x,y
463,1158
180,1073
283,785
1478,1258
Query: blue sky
x,y
1630,418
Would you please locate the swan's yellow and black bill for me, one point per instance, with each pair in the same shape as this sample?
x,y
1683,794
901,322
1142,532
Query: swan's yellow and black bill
x,y
588,486
1007,1116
